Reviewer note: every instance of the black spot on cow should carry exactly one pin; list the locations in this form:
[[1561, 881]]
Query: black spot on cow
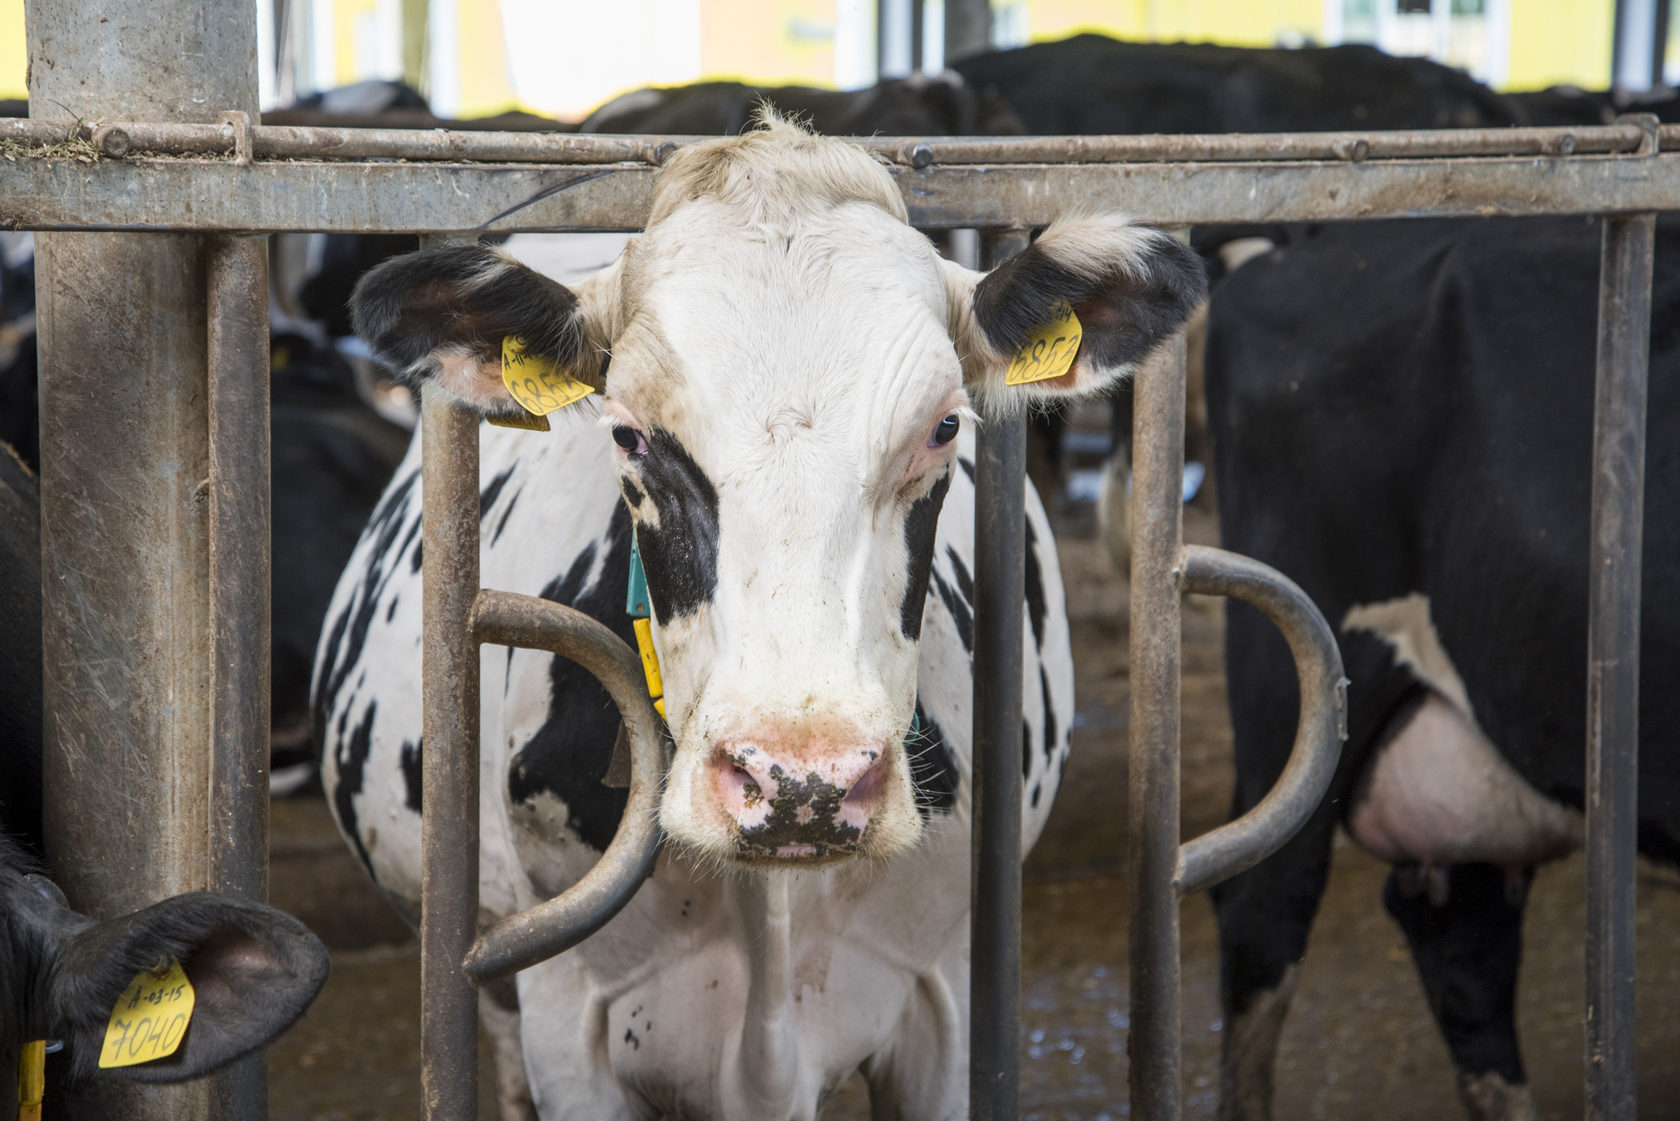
[[632, 493], [391, 611], [487, 497], [348, 632], [932, 771], [630, 1038], [1049, 713], [1034, 588], [568, 756], [409, 760], [507, 512], [418, 558], [1026, 749], [680, 555], [1037, 793], [965, 580], [351, 759], [961, 614], [968, 467], [921, 523]]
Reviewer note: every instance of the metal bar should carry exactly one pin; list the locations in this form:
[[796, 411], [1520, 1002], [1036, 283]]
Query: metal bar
[[1157, 543], [1322, 726], [999, 591], [558, 924], [240, 560], [223, 196], [1618, 487], [449, 791], [124, 138], [123, 338]]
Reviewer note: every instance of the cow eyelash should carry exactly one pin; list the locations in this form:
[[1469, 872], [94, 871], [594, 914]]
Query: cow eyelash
[[627, 438]]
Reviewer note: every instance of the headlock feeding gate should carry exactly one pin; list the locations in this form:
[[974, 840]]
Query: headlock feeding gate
[[176, 544]]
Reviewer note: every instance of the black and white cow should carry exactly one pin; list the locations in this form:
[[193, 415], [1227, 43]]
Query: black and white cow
[[1402, 420], [794, 372], [254, 969]]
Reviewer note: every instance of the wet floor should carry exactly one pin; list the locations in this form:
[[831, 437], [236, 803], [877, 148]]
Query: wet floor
[[1358, 1045]]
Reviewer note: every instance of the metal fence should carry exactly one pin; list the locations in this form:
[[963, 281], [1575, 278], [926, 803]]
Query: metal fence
[[236, 179]]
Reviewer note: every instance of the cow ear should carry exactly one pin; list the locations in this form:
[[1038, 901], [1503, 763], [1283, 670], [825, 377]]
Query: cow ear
[[439, 317], [253, 970], [1130, 287]]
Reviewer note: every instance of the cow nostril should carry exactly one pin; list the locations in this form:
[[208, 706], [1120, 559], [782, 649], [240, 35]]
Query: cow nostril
[[751, 793], [868, 788]]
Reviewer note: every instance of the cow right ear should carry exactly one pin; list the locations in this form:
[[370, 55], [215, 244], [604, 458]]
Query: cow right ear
[[439, 317], [253, 970]]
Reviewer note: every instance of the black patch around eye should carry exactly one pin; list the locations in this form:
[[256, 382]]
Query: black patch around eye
[[680, 554], [920, 525]]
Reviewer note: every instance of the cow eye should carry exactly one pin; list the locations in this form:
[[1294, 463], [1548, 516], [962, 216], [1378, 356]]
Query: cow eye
[[944, 432], [629, 439]]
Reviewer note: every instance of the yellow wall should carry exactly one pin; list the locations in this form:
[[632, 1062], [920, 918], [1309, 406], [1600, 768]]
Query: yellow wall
[[14, 50], [1556, 41], [1243, 23], [755, 40], [485, 86]]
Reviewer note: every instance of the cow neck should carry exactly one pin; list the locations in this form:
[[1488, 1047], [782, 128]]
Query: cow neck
[[767, 1064]]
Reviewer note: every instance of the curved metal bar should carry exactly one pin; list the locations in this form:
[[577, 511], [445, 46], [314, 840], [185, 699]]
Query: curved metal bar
[[520, 941], [1241, 844]]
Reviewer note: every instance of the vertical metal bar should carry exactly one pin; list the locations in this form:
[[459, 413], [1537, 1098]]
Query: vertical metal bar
[[240, 560], [999, 588], [125, 496], [1624, 333], [449, 774], [1157, 548]]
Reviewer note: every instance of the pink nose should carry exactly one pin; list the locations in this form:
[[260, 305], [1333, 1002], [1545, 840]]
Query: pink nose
[[801, 807]]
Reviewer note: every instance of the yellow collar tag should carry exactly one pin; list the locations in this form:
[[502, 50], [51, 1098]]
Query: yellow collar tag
[[535, 382], [32, 1080], [150, 1018], [1049, 350]]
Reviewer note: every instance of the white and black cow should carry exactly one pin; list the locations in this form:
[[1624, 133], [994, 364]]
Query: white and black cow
[[1402, 418], [793, 371]]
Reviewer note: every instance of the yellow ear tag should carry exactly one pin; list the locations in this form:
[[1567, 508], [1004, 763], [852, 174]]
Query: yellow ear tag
[[32, 1080], [150, 1018], [535, 382], [1049, 350]]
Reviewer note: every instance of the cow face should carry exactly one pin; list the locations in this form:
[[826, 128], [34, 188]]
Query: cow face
[[785, 366]]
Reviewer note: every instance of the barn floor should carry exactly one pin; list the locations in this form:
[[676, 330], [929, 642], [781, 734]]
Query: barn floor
[[1359, 1043]]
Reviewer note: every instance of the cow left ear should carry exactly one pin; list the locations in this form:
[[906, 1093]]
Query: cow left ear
[[1130, 287]]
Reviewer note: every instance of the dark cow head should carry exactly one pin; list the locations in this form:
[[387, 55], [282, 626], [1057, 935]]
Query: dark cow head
[[790, 365], [254, 970]]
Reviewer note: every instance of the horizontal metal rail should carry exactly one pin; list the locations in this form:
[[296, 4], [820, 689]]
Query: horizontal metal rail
[[463, 145]]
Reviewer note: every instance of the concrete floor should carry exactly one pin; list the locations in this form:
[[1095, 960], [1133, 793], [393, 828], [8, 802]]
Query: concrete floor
[[1358, 1045]]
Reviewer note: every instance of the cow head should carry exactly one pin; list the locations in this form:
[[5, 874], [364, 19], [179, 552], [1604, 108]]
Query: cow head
[[785, 364], [253, 970]]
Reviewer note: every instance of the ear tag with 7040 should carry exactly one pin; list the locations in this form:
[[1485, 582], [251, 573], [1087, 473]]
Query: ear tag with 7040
[[1049, 350], [150, 1018], [537, 384]]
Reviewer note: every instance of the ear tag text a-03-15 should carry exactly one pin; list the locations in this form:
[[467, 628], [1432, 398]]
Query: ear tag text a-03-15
[[537, 384], [1049, 349], [150, 1018]]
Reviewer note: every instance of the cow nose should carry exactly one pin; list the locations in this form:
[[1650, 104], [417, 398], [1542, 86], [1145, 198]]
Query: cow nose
[[796, 806]]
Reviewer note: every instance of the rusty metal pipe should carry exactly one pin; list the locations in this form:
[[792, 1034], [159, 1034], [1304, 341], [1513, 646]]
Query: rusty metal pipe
[[240, 618], [1322, 726], [1157, 539], [120, 139], [1612, 780], [999, 589], [449, 761], [558, 924]]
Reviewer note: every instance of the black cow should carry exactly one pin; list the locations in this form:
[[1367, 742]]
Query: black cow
[[1094, 85], [254, 969], [923, 105], [1402, 423]]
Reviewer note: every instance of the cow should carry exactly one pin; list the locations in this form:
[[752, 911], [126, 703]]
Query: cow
[[784, 435], [1402, 419], [254, 969], [920, 105]]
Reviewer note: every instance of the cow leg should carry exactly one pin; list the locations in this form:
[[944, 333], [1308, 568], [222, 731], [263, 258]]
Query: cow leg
[[1467, 947], [498, 1012], [1264, 918]]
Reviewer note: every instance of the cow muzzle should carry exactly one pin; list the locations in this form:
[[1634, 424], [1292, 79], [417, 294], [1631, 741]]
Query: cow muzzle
[[796, 807]]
